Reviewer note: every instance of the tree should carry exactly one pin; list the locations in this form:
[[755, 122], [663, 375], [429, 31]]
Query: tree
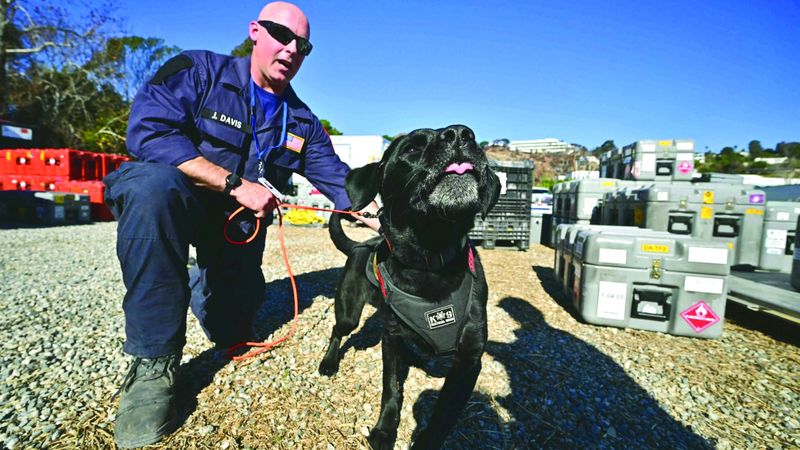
[[243, 49], [606, 146], [329, 128], [755, 149], [65, 74], [130, 61], [50, 33], [484, 144]]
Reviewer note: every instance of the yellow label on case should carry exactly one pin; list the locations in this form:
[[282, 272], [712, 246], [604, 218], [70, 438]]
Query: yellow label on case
[[754, 211], [638, 216], [706, 212], [59, 199], [608, 184], [665, 143], [730, 245], [655, 248], [708, 197]]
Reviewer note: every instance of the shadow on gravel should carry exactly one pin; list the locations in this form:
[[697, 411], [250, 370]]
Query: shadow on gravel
[[564, 394], [552, 286], [775, 327], [276, 310]]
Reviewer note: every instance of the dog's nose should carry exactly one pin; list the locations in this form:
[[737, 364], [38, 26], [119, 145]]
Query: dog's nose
[[456, 133]]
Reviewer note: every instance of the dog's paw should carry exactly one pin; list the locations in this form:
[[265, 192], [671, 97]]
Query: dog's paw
[[380, 440], [329, 366]]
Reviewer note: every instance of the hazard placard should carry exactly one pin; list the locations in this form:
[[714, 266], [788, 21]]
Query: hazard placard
[[700, 316]]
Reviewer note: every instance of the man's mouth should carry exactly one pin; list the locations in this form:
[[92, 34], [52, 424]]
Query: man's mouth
[[459, 169], [284, 63]]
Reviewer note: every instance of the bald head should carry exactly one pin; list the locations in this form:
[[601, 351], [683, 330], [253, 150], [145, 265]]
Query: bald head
[[283, 12], [274, 61]]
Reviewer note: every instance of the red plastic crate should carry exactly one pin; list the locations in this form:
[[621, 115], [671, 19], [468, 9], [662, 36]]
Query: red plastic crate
[[16, 183], [42, 182], [64, 163], [92, 166], [111, 162], [18, 162]]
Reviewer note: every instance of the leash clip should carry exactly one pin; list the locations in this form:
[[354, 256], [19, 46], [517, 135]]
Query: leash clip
[[275, 192]]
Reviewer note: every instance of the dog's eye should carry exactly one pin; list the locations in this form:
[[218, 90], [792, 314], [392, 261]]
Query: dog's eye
[[412, 149]]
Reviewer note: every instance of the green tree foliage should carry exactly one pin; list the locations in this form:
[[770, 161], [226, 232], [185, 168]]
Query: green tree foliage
[[606, 146], [67, 75], [547, 183], [329, 128], [243, 49], [755, 149]]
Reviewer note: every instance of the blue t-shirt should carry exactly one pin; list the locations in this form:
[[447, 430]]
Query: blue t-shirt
[[269, 102]]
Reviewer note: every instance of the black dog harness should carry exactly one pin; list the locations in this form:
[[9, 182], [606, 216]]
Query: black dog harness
[[437, 323]]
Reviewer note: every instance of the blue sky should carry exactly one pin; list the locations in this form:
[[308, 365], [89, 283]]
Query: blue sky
[[719, 72]]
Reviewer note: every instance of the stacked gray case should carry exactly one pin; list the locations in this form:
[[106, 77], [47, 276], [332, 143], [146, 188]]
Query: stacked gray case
[[651, 281], [733, 215], [667, 160], [777, 249], [565, 237]]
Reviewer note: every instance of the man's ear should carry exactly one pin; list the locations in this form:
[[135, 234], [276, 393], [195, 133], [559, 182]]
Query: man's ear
[[362, 184], [490, 193]]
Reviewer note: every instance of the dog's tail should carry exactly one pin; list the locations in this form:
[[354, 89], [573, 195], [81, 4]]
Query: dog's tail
[[339, 238]]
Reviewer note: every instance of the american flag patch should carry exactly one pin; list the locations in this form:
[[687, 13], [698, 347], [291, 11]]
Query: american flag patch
[[294, 142]]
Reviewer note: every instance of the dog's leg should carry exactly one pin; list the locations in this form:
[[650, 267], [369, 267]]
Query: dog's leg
[[351, 296], [395, 371], [458, 386]]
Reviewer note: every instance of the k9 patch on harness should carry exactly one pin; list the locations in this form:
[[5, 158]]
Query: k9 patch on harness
[[440, 317]]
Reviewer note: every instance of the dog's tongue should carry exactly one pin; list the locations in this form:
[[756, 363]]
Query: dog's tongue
[[458, 168]]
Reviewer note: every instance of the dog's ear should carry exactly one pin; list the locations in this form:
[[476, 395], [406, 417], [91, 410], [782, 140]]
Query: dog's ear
[[362, 184], [490, 194]]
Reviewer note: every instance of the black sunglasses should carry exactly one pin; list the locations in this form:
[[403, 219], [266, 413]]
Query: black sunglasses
[[284, 35]]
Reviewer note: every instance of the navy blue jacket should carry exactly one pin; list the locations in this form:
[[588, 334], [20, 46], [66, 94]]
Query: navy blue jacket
[[199, 105]]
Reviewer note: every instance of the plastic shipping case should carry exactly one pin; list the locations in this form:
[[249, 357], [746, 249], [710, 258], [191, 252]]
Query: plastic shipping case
[[585, 197], [777, 242], [510, 219], [667, 160], [730, 214], [652, 281], [565, 238], [49, 208]]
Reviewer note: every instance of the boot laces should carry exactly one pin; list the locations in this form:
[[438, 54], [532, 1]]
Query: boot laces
[[149, 367]]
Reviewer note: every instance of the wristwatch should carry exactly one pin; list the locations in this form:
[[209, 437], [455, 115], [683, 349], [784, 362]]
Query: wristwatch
[[232, 181]]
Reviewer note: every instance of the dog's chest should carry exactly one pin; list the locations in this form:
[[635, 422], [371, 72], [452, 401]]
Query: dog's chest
[[438, 324]]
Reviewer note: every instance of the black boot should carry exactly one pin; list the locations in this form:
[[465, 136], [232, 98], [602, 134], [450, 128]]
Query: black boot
[[147, 409]]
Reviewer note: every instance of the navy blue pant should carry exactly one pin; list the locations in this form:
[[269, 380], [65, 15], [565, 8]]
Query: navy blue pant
[[160, 213]]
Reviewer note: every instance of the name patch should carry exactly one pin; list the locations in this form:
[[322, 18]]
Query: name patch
[[225, 120], [440, 317]]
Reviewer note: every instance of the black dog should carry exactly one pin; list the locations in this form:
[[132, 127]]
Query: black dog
[[423, 274]]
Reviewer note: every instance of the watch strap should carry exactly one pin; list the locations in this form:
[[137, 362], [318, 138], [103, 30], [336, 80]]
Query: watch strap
[[232, 181]]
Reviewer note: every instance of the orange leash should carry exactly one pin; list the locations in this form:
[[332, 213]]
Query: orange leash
[[264, 346]]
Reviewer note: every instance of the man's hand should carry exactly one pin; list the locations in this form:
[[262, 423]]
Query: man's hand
[[372, 208], [255, 197], [205, 174]]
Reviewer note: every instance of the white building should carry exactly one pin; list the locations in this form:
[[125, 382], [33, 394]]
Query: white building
[[548, 145], [355, 151]]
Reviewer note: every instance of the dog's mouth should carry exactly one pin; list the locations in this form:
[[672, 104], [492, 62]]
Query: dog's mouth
[[454, 192]]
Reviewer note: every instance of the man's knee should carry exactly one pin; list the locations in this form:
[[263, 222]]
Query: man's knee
[[149, 185]]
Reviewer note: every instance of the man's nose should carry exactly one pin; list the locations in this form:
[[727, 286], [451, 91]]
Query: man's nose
[[456, 134]]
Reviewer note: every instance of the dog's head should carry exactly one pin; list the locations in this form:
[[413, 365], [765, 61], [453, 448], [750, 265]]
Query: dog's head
[[434, 173]]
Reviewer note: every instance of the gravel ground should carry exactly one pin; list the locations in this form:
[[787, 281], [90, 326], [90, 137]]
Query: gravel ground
[[548, 381]]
